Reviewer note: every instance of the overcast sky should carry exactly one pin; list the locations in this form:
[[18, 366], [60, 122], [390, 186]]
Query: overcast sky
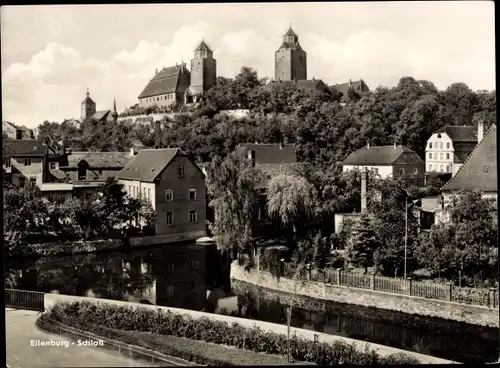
[[52, 54]]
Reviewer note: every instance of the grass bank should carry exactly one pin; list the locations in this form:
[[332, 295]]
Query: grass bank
[[157, 323]]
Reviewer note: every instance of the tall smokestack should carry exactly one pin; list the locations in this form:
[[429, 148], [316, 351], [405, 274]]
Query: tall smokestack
[[363, 191], [480, 131], [157, 134]]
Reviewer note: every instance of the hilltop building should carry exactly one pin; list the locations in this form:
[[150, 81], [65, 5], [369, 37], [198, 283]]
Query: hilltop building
[[13, 131], [359, 87], [88, 111], [290, 60], [176, 84]]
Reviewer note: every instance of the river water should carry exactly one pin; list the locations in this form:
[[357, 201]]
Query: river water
[[193, 277]]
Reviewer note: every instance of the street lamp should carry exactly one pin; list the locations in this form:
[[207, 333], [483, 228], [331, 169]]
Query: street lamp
[[406, 227]]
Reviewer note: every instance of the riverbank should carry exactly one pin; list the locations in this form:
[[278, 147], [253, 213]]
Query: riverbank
[[470, 314], [68, 248], [52, 299]]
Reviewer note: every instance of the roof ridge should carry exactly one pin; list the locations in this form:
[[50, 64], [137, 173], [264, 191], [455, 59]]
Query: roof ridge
[[468, 157]]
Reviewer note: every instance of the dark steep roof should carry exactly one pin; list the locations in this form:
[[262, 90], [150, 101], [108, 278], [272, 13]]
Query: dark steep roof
[[98, 160], [357, 86], [460, 133], [148, 164], [290, 33], [480, 170], [203, 47], [24, 147], [376, 155], [463, 150], [166, 81], [272, 153]]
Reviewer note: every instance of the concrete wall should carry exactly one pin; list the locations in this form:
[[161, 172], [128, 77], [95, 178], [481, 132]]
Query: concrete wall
[[475, 315], [52, 299]]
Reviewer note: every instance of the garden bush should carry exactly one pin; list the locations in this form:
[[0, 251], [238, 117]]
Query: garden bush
[[85, 314], [72, 247]]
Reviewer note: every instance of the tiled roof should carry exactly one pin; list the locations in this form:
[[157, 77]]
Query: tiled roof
[[203, 47], [460, 133], [301, 83], [101, 115], [24, 147], [148, 164], [480, 170], [344, 87], [275, 169], [58, 174], [272, 153], [166, 81], [376, 155], [98, 160]]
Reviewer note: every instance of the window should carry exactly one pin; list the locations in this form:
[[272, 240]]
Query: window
[[441, 145], [430, 156], [375, 171], [33, 181], [192, 194], [430, 167], [447, 145], [195, 264], [6, 162], [82, 172], [144, 192], [193, 217], [440, 156], [447, 168], [430, 145], [415, 171], [486, 169], [27, 161], [180, 171], [169, 195], [169, 218], [170, 291], [22, 182], [52, 165], [402, 171], [130, 190], [149, 194], [447, 156], [441, 168], [170, 268], [439, 136]]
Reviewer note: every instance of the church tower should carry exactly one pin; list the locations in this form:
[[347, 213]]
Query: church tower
[[203, 69], [88, 108], [290, 61]]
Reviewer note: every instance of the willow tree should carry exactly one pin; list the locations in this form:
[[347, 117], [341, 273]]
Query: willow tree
[[232, 185], [292, 199]]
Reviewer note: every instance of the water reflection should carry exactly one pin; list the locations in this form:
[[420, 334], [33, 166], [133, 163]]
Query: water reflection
[[173, 275], [445, 339]]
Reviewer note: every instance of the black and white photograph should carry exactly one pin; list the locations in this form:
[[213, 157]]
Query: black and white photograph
[[274, 183]]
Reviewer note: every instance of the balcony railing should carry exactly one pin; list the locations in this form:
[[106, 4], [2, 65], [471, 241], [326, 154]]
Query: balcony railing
[[24, 299]]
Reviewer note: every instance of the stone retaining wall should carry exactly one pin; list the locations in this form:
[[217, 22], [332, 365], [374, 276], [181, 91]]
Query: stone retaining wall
[[476, 315], [52, 299]]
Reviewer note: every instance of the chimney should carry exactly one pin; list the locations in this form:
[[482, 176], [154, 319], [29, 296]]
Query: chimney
[[363, 191], [480, 131], [368, 145], [395, 145], [156, 71], [350, 82], [157, 134], [132, 151], [251, 157]]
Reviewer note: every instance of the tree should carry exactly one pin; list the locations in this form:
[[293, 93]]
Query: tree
[[362, 243], [292, 199], [233, 184]]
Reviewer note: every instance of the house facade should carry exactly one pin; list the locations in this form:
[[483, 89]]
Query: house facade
[[23, 161], [479, 171], [448, 148], [175, 187], [388, 162], [89, 111], [12, 131]]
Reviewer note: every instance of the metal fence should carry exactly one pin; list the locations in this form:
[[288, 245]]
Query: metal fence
[[447, 292], [24, 299]]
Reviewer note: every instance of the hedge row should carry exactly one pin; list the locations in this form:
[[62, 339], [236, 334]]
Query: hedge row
[[72, 247], [167, 323], [196, 351]]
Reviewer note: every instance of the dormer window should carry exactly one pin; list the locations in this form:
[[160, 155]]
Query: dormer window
[[439, 135], [82, 171], [430, 145]]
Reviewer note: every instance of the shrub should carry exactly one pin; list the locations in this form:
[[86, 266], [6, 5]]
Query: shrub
[[86, 314]]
